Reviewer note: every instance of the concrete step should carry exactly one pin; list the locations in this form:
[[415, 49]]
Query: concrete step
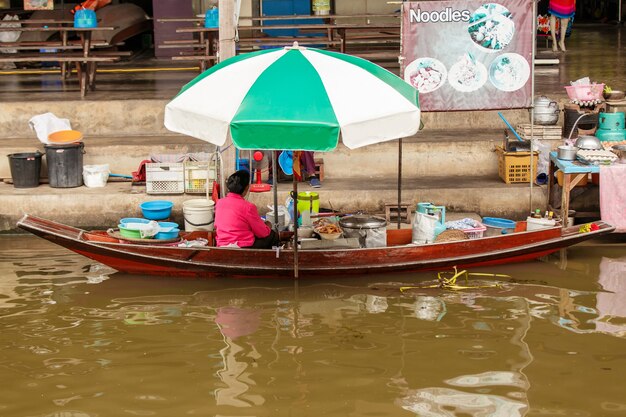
[[122, 153], [145, 117], [103, 207], [454, 152]]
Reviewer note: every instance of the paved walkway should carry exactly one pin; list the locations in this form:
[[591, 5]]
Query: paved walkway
[[594, 50]]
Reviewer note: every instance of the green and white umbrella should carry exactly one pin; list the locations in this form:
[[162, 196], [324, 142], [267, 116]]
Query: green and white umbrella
[[295, 98]]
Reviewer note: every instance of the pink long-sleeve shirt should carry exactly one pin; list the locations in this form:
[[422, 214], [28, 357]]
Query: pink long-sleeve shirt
[[237, 221]]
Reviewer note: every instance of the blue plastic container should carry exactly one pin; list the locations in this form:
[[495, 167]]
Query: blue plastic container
[[157, 209], [85, 18], [173, 234], [497, 226], [126, 220], [168, 224], [212, 18]]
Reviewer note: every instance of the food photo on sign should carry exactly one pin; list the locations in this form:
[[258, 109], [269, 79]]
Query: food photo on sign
[[468, 55]]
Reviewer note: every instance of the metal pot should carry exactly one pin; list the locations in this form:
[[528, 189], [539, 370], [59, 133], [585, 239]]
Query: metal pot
[[370, 230], [567, 153], [546, 111]]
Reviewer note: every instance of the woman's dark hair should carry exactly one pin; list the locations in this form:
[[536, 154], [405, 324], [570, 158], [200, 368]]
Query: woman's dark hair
[[238, 182]]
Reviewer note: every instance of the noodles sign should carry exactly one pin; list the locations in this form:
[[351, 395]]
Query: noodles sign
[[468, 55]]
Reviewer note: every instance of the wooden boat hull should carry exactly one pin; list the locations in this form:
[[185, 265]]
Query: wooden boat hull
[[233, 262]]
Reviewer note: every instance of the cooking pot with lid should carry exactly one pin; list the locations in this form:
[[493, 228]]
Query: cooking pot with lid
[[370, 230], [546, 111]]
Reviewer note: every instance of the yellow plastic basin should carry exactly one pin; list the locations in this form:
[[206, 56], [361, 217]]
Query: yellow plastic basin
[[65, 136]]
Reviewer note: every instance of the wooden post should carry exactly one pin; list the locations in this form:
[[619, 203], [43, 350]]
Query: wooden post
[[295, 221], [227, 29], [227, 50], [400, 184]]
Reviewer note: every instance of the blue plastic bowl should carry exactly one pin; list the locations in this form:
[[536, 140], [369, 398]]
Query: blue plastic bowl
[[157, 209], [497, 226], [167, 235], [168, 224], [134, 220]]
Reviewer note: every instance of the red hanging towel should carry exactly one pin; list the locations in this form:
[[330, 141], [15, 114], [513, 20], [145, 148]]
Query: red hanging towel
[[140, 174], [90, 4]]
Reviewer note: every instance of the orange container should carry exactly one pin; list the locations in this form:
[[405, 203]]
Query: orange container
[[65, 136], [559, 178]]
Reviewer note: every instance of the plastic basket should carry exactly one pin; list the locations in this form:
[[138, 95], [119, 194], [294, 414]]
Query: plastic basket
[[165, 178], [196, 176], [514, 167], [585, 92], [476, 232]]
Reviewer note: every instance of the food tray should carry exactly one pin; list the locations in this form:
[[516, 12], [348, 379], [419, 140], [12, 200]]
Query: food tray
[[546, 132], [596, 157]]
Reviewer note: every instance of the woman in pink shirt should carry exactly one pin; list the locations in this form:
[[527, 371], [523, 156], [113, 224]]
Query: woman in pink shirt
[[237, 221]]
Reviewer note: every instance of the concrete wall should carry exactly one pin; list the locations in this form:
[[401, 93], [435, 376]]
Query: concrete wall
[[145, 117], [93, 118]]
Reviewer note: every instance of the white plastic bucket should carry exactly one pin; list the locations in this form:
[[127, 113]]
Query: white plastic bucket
[[95, 175], [535, 224], [198, 214]]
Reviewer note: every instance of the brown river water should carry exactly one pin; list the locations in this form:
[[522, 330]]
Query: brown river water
[[77, 340]]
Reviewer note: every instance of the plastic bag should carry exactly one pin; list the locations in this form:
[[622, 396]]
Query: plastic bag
[[424, 228], [47, 123], [543, 163], [146, 230], [9, 36], [283, 216], [289, 215]]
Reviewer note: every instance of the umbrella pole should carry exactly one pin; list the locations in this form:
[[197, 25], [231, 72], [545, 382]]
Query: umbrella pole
[[275, 189], [295, 221], [400, 182]]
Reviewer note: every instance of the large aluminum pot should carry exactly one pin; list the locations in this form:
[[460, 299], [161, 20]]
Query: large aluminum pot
[[567, 153], [546, 111], [370, 230]]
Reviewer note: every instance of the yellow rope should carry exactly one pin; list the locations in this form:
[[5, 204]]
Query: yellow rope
[[449, 283]]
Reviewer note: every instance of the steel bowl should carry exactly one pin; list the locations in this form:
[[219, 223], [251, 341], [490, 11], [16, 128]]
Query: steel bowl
[[588, 142], [614, 95], [567, 153], [620, 151]]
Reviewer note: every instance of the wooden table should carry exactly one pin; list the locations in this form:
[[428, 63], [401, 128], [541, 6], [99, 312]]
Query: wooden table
[[573, 173], [336, 34], [207, 39], [86, 61]]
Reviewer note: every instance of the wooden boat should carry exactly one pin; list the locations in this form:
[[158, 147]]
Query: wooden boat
[[398, 256]]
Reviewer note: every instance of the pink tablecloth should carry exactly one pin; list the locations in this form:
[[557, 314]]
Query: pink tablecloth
[[613, 195]]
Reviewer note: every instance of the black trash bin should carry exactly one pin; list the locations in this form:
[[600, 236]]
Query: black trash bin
[[65, 165], [25, 169]]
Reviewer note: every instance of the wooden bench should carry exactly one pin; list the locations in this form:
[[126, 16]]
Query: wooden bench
[[85, 66], [85, 62]]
